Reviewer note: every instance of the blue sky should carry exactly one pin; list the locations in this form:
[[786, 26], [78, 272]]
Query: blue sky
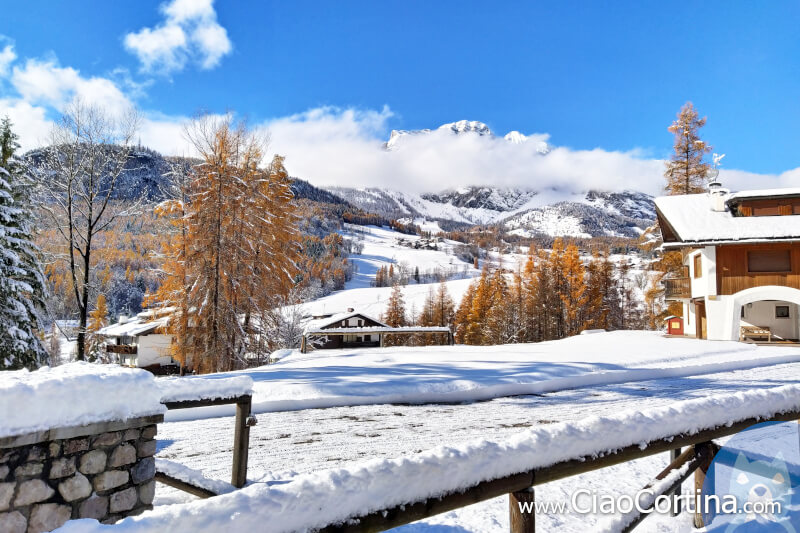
[[592, 75]]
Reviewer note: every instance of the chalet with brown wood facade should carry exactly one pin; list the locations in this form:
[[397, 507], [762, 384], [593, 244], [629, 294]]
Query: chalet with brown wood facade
[[741, 255]]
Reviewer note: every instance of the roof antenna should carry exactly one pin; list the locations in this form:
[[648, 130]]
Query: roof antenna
[[713, 172]]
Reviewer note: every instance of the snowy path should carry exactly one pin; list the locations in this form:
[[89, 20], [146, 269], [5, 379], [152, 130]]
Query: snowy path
[[309, 440]]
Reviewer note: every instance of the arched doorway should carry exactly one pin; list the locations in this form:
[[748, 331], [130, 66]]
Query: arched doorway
[[770, 308]]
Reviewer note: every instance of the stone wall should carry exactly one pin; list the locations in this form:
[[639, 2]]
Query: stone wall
[[101, 471]]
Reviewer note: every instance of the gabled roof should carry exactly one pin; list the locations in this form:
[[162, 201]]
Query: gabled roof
[[145, 322], [313, 325], [689, 220]]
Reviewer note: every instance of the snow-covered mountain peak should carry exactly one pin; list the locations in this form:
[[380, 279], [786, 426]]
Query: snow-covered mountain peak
[[515, 137], [467, 126]]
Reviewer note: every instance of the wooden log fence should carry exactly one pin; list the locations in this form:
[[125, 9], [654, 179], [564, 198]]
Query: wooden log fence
[[241, 442], [698, 455]]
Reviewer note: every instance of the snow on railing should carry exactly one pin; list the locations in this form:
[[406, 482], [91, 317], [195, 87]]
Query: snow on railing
[[337, 496], [190, 388], [192, 477]]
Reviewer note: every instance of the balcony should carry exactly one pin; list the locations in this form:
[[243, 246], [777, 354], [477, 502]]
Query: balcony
[[122, 349], [677, 288]]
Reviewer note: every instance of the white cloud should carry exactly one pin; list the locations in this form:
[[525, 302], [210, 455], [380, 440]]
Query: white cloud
[[30, 122], [44, 82], [189, 32], [330, 146], [7, 56]]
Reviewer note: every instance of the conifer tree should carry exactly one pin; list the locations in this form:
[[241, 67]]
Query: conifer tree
[[21, 280], [443, 307], [242, 244], [476, 333], [686, 171], [573, 294], [395, 315], [461, 317], [98, 319]]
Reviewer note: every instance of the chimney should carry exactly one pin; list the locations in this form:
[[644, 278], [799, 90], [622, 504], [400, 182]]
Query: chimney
[[123, 319], [350, 310], [718, 196]]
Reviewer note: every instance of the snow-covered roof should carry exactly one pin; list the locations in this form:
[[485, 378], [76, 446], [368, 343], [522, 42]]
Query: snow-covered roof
[[145, 322], [693, 221], [321, 323], [380, 329], [764, 193]]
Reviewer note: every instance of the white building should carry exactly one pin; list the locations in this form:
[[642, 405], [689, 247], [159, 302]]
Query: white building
[[141, 341], [741, 256]]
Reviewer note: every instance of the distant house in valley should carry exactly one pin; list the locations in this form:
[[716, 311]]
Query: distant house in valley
[[141, 341], [356, 330], [741, 255]]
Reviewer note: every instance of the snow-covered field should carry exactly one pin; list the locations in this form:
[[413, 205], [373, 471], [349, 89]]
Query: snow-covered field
[[328, 378], [383, 247]]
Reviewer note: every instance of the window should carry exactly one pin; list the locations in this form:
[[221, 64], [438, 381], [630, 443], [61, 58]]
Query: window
[[769, 261], [360, 323], [367, 338], [781, 311], [698, 266]]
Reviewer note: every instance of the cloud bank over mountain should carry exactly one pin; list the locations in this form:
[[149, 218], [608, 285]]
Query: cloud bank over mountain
[[331, 146]]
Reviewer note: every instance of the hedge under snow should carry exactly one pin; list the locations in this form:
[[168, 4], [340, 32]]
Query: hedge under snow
[[333, 496]]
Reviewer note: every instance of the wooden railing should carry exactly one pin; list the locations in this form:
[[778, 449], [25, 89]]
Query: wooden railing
[[241, 442], [677, 288], [520, 487]]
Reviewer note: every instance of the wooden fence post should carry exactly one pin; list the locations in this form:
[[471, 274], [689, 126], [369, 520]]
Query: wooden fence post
[[241, 442], [705, 451], [673, 455], [521, 522]]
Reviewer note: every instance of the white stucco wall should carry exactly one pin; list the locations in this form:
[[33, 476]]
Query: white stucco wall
[[707, 282], [153, 350], [763, 314]]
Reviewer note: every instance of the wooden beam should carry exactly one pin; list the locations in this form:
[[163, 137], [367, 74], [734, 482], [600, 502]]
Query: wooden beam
[[241, 442], [674, 455], [200, 492], [189, 404], [689, 456], [520, 522], [707, 458]]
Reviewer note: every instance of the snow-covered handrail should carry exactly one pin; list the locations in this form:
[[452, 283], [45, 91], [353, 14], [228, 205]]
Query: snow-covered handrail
[[384, 493], [195, 388]]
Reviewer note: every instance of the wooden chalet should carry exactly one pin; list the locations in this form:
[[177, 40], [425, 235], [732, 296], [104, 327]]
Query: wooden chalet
[[356, 330], [741, 255]]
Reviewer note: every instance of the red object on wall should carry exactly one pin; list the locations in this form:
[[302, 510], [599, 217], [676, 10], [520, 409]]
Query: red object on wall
[[674, 325]]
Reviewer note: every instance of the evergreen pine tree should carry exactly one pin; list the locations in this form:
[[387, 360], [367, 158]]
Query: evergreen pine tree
[[21, 280]]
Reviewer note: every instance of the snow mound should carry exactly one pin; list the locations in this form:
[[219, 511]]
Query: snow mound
[[74, 394]]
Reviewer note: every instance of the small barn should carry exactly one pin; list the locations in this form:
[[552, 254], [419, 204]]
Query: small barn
[[141, 341], [356, 330]]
